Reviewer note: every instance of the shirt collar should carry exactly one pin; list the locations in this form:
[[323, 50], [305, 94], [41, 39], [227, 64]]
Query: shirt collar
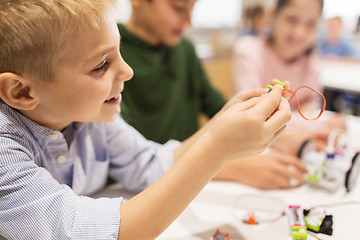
[[41, 134], [128, 36]]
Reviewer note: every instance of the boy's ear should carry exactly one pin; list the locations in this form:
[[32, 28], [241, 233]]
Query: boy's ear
[[15, 92]]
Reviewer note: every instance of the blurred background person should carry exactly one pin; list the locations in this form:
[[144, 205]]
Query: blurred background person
[[336, 44], [287, 54], [170, 89], [256, 21]]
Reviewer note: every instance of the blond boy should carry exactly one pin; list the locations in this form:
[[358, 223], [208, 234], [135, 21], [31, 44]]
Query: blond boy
[[61, 78]]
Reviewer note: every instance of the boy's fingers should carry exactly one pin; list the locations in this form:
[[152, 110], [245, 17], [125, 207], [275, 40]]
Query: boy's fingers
[[279, 132], [290, 160], [247, 94], [269, 103], [245, 105], [280, 117]]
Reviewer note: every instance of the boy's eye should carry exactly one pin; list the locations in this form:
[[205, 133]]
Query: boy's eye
[[104, 66], [179, 8], [292, 19]]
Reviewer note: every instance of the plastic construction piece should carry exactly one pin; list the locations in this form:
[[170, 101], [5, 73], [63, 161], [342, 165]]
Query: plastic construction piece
[[250, 218], [314, 218], [333, 168], [270, 87], [297, 223], [280, 83], [318, 221], [220, 236]]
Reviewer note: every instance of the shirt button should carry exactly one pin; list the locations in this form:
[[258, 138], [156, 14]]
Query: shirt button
[[61, 158], [53, 136]]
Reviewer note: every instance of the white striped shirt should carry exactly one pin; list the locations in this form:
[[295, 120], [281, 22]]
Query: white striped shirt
[[45, 175]]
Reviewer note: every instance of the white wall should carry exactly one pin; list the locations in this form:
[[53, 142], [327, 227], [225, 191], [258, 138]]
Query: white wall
[[348, 10], [206, 13], [216, 13], [123, 10]]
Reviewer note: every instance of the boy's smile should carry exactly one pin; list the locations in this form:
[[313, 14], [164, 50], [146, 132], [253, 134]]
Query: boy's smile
[[88, 81]]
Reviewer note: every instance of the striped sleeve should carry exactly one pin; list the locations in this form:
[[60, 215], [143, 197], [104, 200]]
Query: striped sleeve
[[33, 205]]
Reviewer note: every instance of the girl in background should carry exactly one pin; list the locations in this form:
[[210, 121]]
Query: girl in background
[[287, 54]]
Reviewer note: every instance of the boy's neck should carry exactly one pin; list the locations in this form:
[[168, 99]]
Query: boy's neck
[[136, 28]]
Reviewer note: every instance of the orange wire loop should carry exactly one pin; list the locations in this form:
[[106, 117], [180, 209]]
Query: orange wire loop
[[298, 104]]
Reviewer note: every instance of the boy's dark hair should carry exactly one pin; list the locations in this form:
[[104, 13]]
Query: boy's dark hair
[[283, 3], [254, 11]]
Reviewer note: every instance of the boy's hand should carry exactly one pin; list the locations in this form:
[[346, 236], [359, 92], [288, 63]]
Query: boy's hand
[[243, 96], [250, 93], [249, 127], [270, 170]]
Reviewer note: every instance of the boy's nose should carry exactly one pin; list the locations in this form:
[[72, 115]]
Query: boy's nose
[[187, 19], [125, 72]]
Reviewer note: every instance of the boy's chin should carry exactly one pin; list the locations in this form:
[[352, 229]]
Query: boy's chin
[[107, 119], [173, 42]]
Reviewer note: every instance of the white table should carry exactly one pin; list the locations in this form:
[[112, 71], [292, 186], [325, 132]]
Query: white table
[[340, 75], [213, 208]]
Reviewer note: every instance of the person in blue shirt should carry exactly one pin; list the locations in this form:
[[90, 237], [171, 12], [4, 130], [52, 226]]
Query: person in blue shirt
[[335, 45], [61, 78]]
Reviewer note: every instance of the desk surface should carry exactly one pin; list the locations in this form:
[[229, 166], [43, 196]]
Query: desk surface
[[344, 76], [213, 208]]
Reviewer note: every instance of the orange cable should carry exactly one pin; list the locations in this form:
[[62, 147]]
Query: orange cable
[[297, 100]]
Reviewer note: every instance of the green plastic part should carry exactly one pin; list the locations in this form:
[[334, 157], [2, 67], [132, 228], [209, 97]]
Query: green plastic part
[[280, 83]]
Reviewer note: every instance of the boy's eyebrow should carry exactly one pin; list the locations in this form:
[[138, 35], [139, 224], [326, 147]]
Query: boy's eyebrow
[[99, 54], [103, 52]]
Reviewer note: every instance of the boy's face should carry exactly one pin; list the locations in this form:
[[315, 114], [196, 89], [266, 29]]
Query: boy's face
[[164, 21], [88, 79]]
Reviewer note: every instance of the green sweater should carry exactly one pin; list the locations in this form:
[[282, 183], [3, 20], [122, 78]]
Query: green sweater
[[168, 91]]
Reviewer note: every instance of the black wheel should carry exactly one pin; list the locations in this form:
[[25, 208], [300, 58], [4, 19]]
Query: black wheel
[[352, 173], [306, 147]]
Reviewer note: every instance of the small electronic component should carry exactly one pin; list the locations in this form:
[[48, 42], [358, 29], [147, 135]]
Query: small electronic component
[[335, 167], [314, 219], [270, 87], [250, 218], [318, 221], [280, 83], [297, 223], [220, 236]]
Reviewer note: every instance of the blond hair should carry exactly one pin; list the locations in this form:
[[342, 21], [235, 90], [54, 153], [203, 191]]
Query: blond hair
[[34, 33]]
